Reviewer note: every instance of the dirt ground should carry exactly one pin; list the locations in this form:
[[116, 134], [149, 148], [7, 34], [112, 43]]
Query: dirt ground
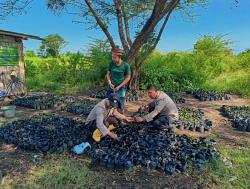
[[15, 163]]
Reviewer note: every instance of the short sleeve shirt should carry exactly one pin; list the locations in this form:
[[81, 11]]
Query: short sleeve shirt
[[118, 73]]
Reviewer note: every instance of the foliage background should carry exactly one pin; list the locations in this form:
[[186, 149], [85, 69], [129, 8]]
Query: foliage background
[[211, 64]]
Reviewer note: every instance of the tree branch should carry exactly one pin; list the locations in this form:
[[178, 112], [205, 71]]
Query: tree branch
[[11, 7], [100, 23], [148, 28], [142, 60], [125, 18], [120, 24]]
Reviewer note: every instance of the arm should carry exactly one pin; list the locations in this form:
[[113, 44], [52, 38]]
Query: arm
[[158, 108], [126, 80], [100, 125], [121, 117], [109, 80], [118, 115]]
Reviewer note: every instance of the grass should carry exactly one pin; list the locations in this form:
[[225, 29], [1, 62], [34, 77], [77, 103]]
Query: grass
[[236, 176], [236, 82], [67, 171], [60, 171]]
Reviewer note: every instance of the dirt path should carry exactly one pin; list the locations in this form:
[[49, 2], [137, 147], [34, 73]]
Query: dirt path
[[221, 125], [16, 163]]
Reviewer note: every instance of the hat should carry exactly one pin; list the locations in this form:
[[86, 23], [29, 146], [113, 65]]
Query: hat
[[118, 51], [114, 100]]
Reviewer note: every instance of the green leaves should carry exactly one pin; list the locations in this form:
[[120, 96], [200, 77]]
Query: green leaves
[[52, 46]]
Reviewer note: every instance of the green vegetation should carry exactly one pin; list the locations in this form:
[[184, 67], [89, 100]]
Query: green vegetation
[[51, 46], [60, 171], [69, 73], [211, 65], [233, 171]]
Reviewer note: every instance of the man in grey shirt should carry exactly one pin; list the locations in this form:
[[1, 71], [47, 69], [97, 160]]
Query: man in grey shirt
[[98, 117], [163, 111]]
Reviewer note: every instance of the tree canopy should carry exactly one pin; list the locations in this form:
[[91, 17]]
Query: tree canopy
[[52, 45]]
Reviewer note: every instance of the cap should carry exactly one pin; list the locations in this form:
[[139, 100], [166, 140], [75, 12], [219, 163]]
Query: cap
[[114, 100], [118, 51]]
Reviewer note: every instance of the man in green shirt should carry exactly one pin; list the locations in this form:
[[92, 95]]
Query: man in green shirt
[[118, 75]]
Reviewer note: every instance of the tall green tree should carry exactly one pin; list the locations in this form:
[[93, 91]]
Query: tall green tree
[[149, 16], [52, 46]]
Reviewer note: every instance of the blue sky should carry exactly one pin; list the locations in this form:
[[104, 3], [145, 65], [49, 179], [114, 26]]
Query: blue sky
[[220, 17]]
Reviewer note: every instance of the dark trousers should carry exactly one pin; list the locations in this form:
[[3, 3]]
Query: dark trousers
[[160, 122]]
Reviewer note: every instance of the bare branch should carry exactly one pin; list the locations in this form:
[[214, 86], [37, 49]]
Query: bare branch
[[12, 7], [126, 23], [147, 29], [142, 60], [120, 24], [100, 23]]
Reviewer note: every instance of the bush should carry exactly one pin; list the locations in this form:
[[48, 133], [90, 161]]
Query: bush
[[210, 65], [172, 72], [69, 73]]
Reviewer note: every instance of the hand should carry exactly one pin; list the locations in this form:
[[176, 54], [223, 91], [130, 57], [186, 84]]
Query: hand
[[111, 86], [139, 119], [129, 119], [113, 135], [143, 108], [117, 88]]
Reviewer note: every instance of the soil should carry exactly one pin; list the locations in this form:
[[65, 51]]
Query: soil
[[14, 163]]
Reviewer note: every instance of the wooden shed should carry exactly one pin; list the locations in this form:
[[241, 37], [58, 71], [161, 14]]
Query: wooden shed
[[11, 52]]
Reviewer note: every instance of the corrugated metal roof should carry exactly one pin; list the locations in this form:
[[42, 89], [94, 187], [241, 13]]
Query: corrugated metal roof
[[19, 35]]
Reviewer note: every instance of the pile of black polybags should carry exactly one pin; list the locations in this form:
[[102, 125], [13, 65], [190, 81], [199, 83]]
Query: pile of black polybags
[[44, 133], [193, 120], [42, 102], [81, 107], [138, 144], [206, 95], [176, 98]]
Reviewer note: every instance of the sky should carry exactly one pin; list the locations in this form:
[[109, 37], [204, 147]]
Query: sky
[[219, 17]]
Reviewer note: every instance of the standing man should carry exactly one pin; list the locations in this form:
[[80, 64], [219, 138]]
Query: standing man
[[118, 75], [163, 111]]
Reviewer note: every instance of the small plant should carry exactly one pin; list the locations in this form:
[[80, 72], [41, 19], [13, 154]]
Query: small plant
[[193, 120]]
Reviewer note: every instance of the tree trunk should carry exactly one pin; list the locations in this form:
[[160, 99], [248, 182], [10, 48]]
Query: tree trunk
[[135, 80]]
